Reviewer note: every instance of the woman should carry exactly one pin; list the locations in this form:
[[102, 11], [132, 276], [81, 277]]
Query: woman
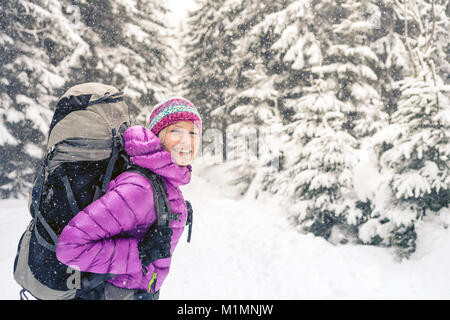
[[116, 234]]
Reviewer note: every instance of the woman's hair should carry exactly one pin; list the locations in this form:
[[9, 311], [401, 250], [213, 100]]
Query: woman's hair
[[162, 134]]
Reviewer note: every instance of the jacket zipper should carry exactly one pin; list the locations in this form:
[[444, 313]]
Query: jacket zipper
[[151, 282]]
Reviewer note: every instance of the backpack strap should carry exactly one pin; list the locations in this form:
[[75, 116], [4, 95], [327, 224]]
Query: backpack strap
[[91, 283], [108, 98], [190, 219], [22, 294], [70, 197], [117, 151], [49, 230], [165, 214], [112, 160], [36, 195], [162, 206]]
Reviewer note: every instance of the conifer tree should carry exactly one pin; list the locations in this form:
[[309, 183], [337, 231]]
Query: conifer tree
[[416, 161], [252, 100], [350, 60], [37, 42], [128, 48], [208, 47], [48, 46], [320, 163], [322, 66]]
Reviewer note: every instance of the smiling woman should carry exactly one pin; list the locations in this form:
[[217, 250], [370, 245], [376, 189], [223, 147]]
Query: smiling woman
[[128, 240]]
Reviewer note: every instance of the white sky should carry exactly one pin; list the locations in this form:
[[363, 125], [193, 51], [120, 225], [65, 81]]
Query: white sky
[[180, 7]]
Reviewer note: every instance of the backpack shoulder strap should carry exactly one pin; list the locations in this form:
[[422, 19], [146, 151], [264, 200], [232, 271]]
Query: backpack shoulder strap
[[162, 206], [117, 150], [112, 160], [161, 201]]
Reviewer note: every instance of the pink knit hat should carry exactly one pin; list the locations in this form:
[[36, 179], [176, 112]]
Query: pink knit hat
[[172, 111]]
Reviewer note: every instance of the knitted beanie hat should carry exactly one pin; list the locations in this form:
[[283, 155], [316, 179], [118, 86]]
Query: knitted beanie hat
[[171, 111]]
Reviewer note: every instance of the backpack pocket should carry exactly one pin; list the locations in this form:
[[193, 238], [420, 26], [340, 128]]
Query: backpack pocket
[[26, 278]]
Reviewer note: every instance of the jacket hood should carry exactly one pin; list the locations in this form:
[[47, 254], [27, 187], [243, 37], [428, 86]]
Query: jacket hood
[[146, 150]]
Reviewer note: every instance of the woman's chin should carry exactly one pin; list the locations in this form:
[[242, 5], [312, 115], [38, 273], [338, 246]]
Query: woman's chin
[[181, 159], [183, 162]]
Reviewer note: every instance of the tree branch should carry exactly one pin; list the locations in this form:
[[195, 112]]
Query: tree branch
[[408, 46], [433, 16]]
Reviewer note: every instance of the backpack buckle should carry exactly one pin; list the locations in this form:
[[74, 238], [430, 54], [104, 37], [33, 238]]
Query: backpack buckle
[[32, 224], [189, 213], [116, 138]]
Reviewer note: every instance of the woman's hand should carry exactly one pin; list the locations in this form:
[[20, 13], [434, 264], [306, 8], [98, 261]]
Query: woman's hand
[[155, 244]]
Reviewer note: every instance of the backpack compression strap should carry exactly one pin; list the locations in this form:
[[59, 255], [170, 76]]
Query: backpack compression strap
[[36, 200], [189, 220], [36, 213]]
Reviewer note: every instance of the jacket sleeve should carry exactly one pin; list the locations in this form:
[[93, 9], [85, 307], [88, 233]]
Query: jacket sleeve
[[95, 239]]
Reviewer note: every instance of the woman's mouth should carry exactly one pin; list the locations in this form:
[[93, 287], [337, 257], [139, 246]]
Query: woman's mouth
[[182, 151]]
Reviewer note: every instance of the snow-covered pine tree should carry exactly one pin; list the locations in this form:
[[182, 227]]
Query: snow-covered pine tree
[[351, 62], [322, 154], [351, 65], [440, 13], [391, 52], [328, 98], [48, 46], [208, 47], [252, 100], [129, 49], [416, 165], [282, 48], [419, 159], [391, 49], [36, 48], [251, 138]]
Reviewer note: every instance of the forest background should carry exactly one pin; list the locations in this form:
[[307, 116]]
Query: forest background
[[338, 108]]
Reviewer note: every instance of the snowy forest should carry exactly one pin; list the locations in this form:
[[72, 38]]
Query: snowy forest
[[353, 96]]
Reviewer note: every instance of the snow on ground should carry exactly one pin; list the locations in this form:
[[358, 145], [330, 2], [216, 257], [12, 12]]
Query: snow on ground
[[245, 249], [14, 218]]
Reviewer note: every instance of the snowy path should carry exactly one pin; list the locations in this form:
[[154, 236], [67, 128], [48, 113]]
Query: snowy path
[[242, 249]]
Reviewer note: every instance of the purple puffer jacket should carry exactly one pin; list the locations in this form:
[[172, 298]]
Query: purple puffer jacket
[[103, 237]]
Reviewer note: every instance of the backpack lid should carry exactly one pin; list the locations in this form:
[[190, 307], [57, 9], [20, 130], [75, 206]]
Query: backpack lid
[[83, 122]]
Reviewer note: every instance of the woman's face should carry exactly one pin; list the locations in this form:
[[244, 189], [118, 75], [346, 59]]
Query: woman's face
[[182, 140]]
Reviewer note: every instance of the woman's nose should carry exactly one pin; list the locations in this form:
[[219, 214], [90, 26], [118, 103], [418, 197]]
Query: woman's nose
[[184, 138]]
